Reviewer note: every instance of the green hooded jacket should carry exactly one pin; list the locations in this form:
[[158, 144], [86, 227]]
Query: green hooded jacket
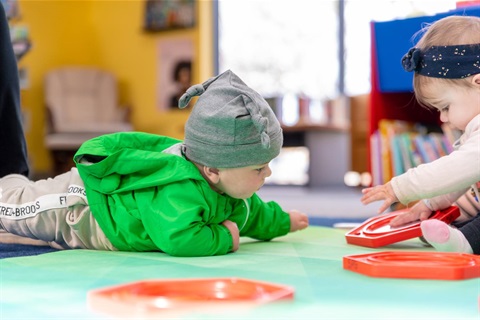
[[145, 199]]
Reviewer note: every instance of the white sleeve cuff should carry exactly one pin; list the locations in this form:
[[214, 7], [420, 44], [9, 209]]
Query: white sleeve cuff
[[428, 204]]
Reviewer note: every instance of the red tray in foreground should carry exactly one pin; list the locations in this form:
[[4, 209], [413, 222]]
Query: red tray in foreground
[[415, 265], [376, 232], [152, 298]]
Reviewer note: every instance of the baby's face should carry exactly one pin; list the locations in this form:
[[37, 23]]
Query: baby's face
[[457, 105], [242, 183]]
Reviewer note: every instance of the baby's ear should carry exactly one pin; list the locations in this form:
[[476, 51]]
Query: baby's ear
[[211, 174], [476, 79]]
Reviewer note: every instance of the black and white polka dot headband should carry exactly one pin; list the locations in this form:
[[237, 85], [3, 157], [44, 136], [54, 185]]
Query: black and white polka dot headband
[[448, 62]]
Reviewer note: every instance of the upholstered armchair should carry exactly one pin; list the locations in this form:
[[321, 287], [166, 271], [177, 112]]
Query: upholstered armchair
[[81, 103]]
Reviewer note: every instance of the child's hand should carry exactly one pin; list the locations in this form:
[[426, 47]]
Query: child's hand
[[383, 192], [419, 211], [233, 228], [298, 220]]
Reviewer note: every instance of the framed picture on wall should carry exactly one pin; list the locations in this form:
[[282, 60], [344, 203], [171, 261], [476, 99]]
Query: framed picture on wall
[[11, 8], [175, 59], [163, 15]]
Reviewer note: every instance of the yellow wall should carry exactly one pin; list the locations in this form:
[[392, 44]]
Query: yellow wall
[[107, 34]]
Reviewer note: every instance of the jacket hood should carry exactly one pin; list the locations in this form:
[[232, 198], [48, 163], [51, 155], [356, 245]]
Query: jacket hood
[[130, 161]]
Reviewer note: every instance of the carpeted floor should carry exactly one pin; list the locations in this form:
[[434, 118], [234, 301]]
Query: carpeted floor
[[9, 250]]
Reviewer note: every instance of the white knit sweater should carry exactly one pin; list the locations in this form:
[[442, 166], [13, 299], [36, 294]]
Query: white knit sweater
[[446, 179]]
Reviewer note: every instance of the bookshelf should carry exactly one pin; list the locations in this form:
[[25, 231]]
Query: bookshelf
[[391, 96]]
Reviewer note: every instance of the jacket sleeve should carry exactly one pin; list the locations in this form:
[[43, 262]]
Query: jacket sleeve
[[444, 201], [179, 222], [262, 220]]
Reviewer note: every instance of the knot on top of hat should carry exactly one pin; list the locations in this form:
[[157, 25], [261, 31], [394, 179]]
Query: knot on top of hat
[[260, 122], [265, 138], [191, 92]]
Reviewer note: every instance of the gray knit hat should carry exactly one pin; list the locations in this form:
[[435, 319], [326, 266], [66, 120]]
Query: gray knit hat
[[231, 125]]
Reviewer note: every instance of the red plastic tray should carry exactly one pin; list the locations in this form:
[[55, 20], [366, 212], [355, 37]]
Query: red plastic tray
[[376, 232], [154, 298], [415, 265]]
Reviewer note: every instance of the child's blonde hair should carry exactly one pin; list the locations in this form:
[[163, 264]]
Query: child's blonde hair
[[448, 31]]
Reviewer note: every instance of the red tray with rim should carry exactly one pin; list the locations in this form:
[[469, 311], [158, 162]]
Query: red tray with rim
[[171, 297], [415, 265], [376, 232]]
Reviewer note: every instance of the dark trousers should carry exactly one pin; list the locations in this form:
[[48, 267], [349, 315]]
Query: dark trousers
[[13, 150], [471, 231]]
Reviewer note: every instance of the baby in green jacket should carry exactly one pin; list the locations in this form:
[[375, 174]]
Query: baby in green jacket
[[135, 191]]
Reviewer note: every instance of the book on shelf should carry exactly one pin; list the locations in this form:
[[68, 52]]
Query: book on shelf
[[389, 129], [451, 135], [398, 165], [400, 145], [410, 153], [375, 156], [424, 148]]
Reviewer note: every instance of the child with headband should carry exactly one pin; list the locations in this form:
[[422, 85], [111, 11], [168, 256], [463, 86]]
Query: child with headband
[[446, 66], [135, 191]]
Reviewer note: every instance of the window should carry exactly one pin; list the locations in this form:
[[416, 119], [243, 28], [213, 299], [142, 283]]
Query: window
[[281, 46], [291, 47]]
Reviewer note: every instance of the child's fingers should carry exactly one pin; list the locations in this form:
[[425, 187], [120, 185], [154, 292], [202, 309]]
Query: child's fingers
[[371, 197], [401, 220], [366, 190], [424, 215], [385, 205], [408, 217], [366, 199]]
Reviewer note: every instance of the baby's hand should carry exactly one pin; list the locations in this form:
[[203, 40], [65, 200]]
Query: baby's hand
[[233, 228], [298, 220], [383, 192], [419, 211]]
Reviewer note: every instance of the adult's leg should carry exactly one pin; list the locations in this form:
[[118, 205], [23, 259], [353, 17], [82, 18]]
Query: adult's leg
[[13, 150], [471, 231]]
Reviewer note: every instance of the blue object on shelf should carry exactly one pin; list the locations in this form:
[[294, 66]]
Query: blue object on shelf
[[394, 38]]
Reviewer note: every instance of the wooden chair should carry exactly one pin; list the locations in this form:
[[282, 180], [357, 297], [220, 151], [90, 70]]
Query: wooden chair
[[81, 103]]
